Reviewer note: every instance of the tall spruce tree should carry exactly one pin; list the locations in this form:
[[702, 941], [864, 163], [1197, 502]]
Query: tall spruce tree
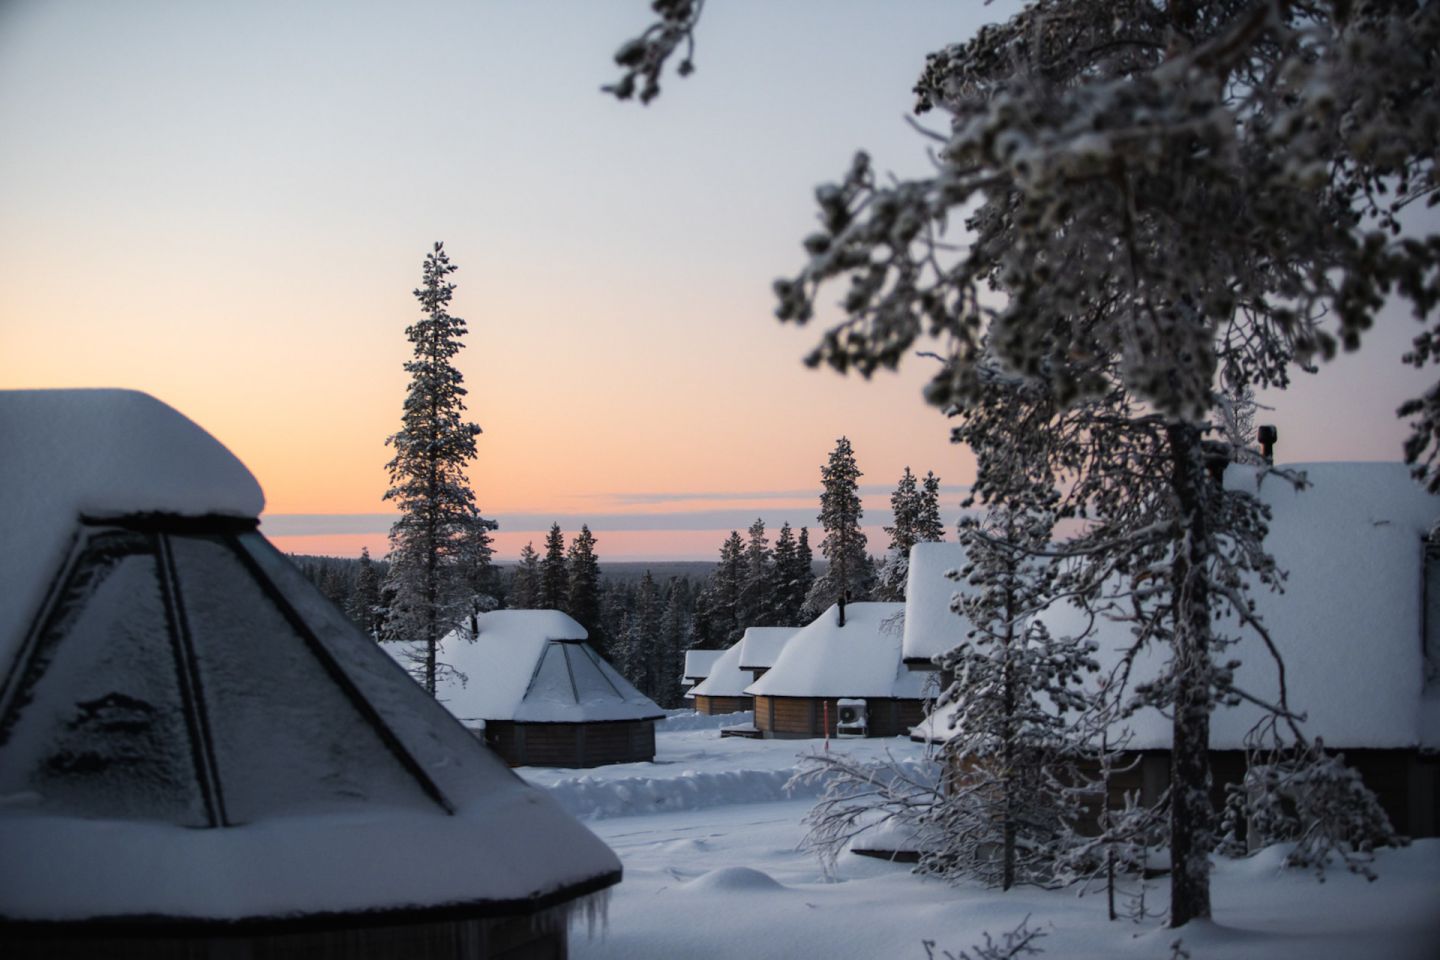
[[364, 606], [525, 582], [438, 517], [728, 583], [849, 572], [905, 506], [929, 528], [671, 663], [757, 591], [790, 582], [554, 578], [582, 594], [645, 632]]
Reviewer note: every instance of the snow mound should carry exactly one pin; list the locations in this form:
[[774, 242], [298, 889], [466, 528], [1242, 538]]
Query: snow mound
[[595, 798], [678, 720], [600, 797], [734, 880]]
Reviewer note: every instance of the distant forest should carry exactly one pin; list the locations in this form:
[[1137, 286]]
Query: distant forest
[[649, 613]]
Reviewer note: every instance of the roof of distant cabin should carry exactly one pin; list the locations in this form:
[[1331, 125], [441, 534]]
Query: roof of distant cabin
[[760, 646], [1348, 625], [98, 453], [860, 659], [726, 678], [699, 663], [531, 666], [931, 627]]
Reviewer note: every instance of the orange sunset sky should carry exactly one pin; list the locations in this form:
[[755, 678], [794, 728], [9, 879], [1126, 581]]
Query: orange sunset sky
[[226, 205]]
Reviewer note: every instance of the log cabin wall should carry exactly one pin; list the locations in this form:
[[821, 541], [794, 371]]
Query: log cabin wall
[[539, 937], [806, 716], [712, 706], [1406, 782], [572, 744]]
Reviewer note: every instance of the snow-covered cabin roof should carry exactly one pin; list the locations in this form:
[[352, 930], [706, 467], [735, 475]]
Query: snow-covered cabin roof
[[98, 453], [699, 663], [190, 730], [531, 666], [860, 659], [726, 679], [760, 646], [930, 627], [1349, 624]]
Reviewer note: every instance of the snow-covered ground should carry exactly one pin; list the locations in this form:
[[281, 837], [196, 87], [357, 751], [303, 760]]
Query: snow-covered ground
[[709, 843]]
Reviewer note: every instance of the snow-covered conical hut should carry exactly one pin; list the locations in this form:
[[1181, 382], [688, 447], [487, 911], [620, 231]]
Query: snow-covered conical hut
[[1357, 625], [545, 698], [824, 663], [199, 755], [723, 691]]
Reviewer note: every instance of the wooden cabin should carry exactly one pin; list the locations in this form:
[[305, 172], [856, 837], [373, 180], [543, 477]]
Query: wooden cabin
[[698, 664], [760, 647], [723, 691], [1358, 627], [931, 627], [824, 663], [215, 761], [539, 695]]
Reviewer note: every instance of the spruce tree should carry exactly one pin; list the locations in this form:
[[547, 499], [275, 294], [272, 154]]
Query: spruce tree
[[645, 629], [929, 528], [582, 593], [525, 583], [849, 571], [554, 578], [804, 577], [905, 506], [479, 579], [787, 600], [671, 663], [757, 592], [364, 605], [726, 585], [434, 446], [1013, 751]]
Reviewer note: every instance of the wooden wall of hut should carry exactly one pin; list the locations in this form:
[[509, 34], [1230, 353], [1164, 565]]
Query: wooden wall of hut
[[712, 706], [1406, 782], [374, 937], [572, 744], [806, 716]]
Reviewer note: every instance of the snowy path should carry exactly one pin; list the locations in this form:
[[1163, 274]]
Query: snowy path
[[724, 879]]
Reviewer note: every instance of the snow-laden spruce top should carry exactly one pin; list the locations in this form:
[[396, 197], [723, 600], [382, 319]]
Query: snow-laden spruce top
[[760, 646], [726, 679], [860, 659], [699, 663], [1349, 624], [930, 628], [531, 666], [101, 453]]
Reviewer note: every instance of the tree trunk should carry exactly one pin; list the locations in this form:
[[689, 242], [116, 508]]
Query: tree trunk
[[1191, 833]]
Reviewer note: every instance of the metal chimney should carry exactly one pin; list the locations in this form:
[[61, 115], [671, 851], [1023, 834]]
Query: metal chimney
[[1267, 434]]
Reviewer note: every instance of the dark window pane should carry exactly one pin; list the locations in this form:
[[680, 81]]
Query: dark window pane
[[287, 738], [98, 727]]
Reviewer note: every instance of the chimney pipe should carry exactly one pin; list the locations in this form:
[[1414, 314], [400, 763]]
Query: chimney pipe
[[1267, 435]]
